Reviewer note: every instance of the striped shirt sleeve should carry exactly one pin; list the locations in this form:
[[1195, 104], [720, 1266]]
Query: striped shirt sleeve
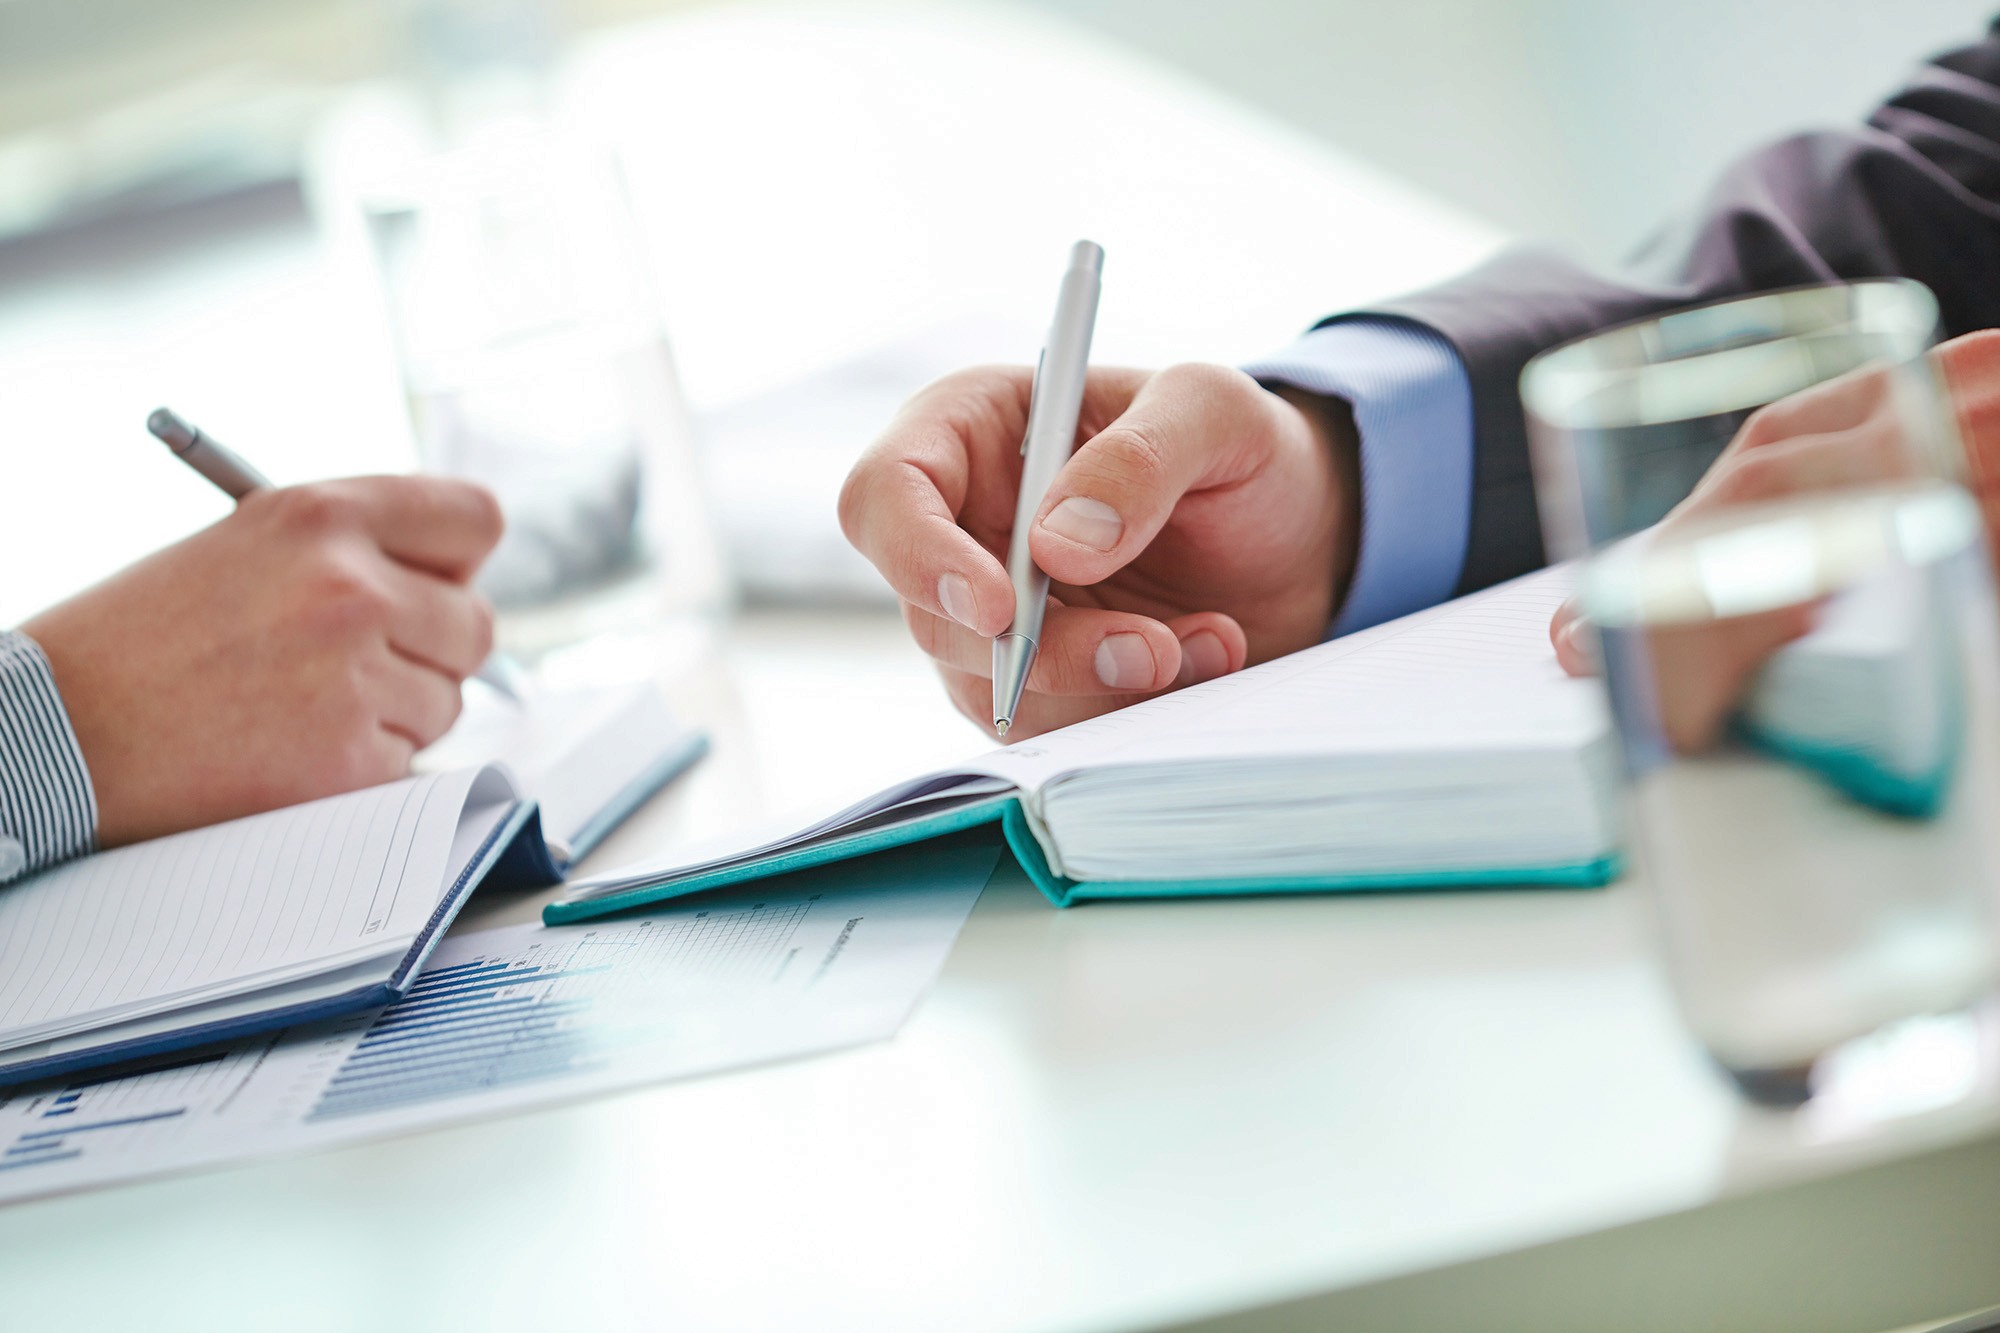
[[1412, 402], [48, 811]]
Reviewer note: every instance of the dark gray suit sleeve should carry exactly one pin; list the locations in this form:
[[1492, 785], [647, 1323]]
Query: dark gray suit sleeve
[[1915, 192]]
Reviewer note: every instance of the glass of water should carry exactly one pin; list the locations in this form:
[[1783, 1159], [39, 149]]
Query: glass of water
[[1796, 621], [536, 363]]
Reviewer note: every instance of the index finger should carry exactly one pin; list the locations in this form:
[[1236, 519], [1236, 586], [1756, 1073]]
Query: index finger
[[442, 525], [897, 509], [948, 463], [1832, 405], [901, 505]]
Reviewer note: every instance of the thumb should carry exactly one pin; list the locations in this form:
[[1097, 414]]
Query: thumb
[[1188, 427]]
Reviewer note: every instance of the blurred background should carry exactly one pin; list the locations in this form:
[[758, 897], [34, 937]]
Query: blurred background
[[657, 269]]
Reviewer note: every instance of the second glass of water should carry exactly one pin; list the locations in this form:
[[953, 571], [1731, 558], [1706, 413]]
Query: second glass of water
[[1796, 622]]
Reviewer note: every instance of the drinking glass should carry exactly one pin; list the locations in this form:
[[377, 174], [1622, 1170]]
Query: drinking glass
[[1798, 641], [535, 362]]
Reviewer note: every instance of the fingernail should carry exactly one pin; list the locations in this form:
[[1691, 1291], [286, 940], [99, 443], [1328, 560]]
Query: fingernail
[[1202, 658], [1124, 662], [1086, 522], [1582, 648], [955, 596]]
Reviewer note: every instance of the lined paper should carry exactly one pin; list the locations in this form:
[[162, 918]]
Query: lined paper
[[225, 909]]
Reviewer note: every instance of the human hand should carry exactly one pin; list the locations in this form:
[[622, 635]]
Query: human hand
[[1205, 523], [1849, 431], [306, 645]]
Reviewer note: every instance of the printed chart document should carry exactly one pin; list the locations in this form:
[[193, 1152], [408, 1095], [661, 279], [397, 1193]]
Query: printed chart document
[[524, 1016]]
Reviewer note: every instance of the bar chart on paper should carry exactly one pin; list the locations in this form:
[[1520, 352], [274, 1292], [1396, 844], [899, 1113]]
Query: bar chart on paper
[[523, 1016], [559, 1006], [122, 1115]]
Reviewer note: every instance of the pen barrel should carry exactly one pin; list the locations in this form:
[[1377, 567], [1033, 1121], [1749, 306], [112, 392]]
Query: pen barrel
[[1055, 407], [234, 477]]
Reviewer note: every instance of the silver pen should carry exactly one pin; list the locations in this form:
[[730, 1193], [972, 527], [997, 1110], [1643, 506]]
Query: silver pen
[[236, 479], [1054, 406]]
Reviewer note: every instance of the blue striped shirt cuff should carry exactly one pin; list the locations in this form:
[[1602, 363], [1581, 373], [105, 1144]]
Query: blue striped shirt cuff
[[48, 811], [1412, 402]]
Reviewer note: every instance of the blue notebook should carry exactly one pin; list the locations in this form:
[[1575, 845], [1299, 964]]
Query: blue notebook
[[1444, 749], [302, 914]]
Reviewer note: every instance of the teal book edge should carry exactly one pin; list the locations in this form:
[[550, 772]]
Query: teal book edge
[[1860, 776], [1006, 811]]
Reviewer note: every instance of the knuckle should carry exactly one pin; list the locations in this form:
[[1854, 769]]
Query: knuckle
[[1136, 454], [366, 761], [341, 594], [1761, 427], [351, 698], [449, 705], [854, 498], [355, 755], [1753, 477], [316, 510], [1981, 357], [482, 628], [876, 499], [1968, 363], [483, 513], [981, 379], [1207, 379]]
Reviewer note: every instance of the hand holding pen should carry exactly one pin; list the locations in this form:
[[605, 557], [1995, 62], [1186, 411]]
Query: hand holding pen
[[236, 478], [1203, 522], [1055, 404], [307, 644]]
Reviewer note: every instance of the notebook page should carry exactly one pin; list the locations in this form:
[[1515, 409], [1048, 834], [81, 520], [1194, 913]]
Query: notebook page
[[478, 823], [1477, 673], [574, 751], [135, 929]]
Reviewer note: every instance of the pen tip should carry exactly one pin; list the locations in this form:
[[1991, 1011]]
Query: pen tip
[[170, 429], [1000, 725]]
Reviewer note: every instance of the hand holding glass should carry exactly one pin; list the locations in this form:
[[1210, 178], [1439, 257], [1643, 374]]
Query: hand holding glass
[[1794, 607]]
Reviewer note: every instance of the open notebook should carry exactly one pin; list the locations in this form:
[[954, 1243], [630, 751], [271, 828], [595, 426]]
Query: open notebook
[[1443, 748], [313, 911]]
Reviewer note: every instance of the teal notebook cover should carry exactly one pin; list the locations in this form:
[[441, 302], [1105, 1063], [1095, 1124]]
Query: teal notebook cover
[[1861, 776], [1006, 811]]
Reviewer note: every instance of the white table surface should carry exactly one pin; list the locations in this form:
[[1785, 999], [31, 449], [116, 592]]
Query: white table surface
[[1103, 1118]]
